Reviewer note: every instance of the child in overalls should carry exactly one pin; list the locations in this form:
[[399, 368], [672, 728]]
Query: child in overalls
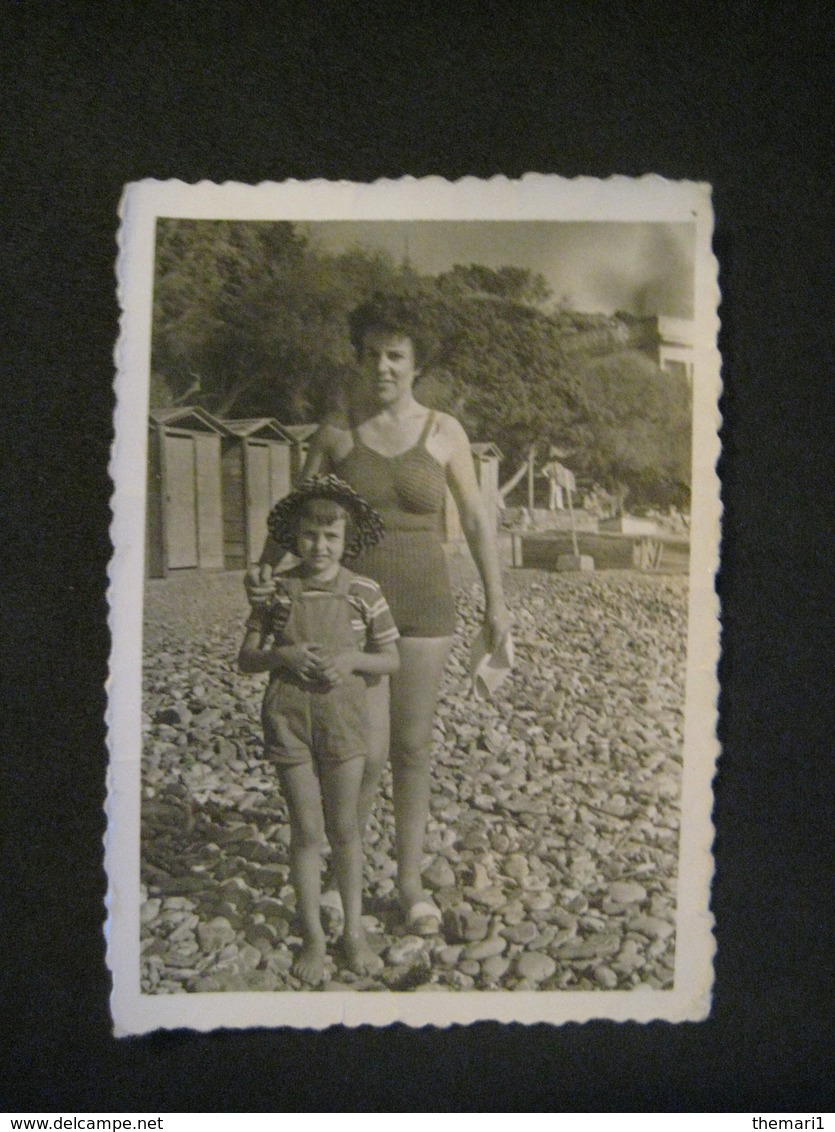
[[325, 631]]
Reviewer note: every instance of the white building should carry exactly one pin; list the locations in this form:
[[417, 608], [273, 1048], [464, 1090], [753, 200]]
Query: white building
[[675, 346]]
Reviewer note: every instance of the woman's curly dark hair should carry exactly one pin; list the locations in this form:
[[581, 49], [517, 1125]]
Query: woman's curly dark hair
[[398, 315]]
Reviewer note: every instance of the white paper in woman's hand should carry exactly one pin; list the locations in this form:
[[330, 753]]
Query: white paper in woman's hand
[[489, 669]]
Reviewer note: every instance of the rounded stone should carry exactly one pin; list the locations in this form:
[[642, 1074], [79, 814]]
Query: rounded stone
[[463, 925], [281, 961], [215, 934], [449, 956], [178, 715], [439, 874], [263, 936], [521, 933], [563, 919], [516, 866], [606, 977], [494, 967], [249, 957], [652, 926], [491, 897], [485, 948], [538, 901], [627, 892], [535, 966], [405, 951], [149, 911]]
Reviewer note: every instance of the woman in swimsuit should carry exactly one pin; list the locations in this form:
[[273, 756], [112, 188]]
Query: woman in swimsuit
[[401, 457]]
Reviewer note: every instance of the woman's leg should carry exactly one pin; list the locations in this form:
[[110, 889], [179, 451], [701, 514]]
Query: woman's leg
[[340, 794], [414, 697], [304, 802], [377, 700]]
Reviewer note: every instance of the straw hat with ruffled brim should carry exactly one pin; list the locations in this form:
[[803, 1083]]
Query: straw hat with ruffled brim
[[368, 528]]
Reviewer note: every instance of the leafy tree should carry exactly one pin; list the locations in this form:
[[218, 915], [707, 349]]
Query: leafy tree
[[516, 283], [250, 320], [501, 371], [639, 425], [206, 272], [526, 379]]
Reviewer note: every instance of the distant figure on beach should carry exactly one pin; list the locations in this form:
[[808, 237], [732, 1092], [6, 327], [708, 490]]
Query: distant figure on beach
[[551, 471]]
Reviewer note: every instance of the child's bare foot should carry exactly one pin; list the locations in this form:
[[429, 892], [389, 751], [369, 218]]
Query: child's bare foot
[[309, 964], [359, 955]]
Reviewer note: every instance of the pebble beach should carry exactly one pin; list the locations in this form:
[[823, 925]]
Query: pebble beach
[[552, 844]]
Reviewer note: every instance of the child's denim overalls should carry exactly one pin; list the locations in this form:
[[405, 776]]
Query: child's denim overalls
[[302, 721]]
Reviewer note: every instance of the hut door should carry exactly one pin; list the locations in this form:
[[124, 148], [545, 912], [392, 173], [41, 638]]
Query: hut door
[[279, 472], [258, 497], [180, 502], [209, 519]]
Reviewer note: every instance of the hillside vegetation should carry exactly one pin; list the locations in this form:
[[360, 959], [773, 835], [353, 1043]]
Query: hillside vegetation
[[250, 319]]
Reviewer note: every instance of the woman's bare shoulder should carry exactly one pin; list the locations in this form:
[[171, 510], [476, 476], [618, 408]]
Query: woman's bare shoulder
[[333, 438], [332, 430], [448, 427], [337, 418]]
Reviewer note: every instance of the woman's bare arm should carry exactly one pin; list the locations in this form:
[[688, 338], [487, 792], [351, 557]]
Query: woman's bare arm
[[479, 529], [382, 661], [319, 459]]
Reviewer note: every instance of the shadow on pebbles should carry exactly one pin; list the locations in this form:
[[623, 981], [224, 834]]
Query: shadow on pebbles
[[552, 844]]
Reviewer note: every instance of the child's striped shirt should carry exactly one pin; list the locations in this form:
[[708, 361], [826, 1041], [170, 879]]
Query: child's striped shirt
[[371, 618]]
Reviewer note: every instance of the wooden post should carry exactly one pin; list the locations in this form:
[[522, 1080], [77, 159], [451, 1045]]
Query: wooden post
[[530, 481], [573, 527], [516, 544]]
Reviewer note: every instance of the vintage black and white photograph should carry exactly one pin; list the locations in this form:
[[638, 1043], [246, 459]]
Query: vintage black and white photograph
[[416, 520]]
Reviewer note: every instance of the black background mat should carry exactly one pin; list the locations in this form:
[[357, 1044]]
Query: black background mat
[[98, 96]]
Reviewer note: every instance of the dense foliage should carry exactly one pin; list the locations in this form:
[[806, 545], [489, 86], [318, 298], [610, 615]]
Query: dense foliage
[[250, 319]]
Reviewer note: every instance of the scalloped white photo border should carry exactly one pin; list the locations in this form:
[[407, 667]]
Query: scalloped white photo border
[[533, 197]]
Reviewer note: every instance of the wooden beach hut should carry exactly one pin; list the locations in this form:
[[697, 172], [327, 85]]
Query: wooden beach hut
[[184, 516], [486, 459], [256, 471]]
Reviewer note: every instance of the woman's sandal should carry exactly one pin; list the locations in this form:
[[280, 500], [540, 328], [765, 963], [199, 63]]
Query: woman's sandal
[[332, 899], [423, 918]]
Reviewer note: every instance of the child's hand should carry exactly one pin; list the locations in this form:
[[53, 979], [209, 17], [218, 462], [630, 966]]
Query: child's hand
[[302, 660], [334, 667], [259, 585]]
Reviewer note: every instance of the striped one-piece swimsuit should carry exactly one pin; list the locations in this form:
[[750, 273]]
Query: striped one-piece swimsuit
[[409, 565]]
